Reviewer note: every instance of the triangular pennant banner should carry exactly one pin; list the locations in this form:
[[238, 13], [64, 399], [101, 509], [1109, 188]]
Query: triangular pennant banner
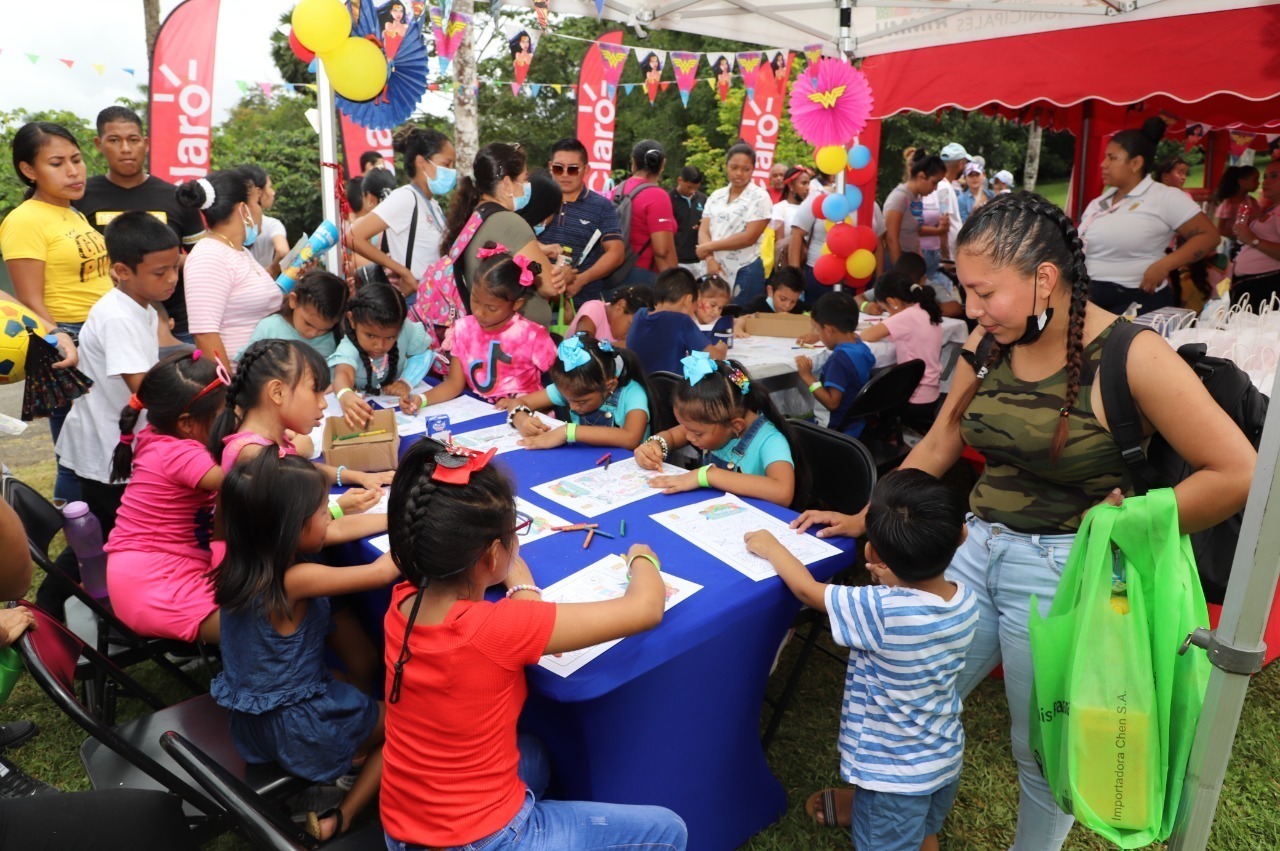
[[686, 70], [34, 57], [812, 53], [100, 69], [614, 57], [128, 71], [70, 63], [749, 68], [651, 64], [628, 87], [522, 45], [266, 88], [558, 88], [541, 7], [722, 68], [290, 88], [515, 90], [244, 87], [534, 88]]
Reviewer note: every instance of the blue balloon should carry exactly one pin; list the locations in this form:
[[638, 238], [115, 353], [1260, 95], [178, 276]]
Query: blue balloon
[[835, 208], [859, 156], [853, 195]]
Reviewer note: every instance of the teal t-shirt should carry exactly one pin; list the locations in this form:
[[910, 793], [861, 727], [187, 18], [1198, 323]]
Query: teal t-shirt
[[413, 340], [630, 397], [276, 327], [768, 445]]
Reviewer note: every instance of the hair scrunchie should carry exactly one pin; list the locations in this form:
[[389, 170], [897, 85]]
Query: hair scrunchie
[[136, 403], [210, 194]]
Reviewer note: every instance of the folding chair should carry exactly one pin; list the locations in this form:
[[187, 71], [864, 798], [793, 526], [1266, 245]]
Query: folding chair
[[661, 386], [263, 826], [128, 755], [883, 396], [89, 618], [843, 476]]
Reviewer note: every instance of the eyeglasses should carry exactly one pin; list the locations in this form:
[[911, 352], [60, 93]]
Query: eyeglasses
[[561, 168], [523, 525]]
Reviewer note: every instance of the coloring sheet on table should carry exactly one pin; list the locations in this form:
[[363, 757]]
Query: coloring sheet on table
[[501, 437], [605, 579], [595, 491], [382, 542], [542, 521], [380, 508], [458, 410], [718, 526]]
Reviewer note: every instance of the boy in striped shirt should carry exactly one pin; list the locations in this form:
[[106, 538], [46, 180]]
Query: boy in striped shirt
[[901, 742]]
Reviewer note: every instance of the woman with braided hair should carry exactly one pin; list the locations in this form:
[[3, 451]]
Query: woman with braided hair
[[456, 773], [1032, 406]]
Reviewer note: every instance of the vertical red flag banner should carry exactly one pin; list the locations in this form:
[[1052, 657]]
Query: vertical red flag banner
[[357, 140], [596, 113], [181, 109], [762, 115]]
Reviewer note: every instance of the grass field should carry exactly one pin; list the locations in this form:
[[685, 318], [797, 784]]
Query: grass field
[[803, 757]]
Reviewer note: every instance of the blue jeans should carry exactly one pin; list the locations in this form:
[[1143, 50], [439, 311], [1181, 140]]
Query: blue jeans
[[887, 821], [581, 825], [748, 284], [66, 487], [1005, 568]]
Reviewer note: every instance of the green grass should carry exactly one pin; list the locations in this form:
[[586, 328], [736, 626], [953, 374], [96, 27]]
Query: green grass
[[803, 757]]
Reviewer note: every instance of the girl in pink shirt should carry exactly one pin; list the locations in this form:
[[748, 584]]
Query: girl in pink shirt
[[913, 321], [496, 352], [161, 550], [609, 322]]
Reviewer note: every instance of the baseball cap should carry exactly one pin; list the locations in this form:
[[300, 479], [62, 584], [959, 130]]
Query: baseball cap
[[973, 168], [1005, 177], [954, 151]]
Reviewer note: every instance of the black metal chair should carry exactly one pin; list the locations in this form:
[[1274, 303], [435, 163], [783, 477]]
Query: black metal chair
[[265, 827], [880, 402], [843, 475], [661, 386], [88, 617], [128, 755]]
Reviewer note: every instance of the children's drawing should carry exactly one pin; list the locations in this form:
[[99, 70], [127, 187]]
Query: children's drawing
[[595, 491], [543, 521], [500, 437]]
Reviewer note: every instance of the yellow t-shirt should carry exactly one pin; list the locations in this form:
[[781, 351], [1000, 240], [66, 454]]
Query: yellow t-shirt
[[76, 268]]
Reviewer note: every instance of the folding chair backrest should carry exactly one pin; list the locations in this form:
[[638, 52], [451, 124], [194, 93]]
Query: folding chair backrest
[[662, 385], [263, 826], [842, 470], [886, 391], [39, 517]]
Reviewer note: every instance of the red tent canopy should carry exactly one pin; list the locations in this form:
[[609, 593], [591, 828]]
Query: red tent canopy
[[1217, 68]]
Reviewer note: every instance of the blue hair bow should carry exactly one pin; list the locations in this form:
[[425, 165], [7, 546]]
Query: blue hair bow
[[605, 346], [572, 354], [697, 366]]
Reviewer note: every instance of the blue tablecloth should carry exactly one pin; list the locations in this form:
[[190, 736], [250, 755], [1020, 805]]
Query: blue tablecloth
[[670, 717]]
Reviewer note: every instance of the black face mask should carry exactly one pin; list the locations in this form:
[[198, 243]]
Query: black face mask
[[1035, 324]]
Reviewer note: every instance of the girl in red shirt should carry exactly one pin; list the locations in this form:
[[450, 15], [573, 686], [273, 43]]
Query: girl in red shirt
[[455, 774]]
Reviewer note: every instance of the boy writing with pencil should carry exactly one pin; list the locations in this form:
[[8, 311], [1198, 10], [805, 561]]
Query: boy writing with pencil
[[901, 742]]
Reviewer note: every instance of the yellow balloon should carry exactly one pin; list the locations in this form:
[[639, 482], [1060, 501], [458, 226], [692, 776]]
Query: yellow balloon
[[357, 69], [321, 25], [831, 160], [861, 264], [826, 249], [14, 322]]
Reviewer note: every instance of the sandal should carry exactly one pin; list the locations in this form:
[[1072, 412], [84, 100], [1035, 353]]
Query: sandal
[[831, 807], [313, 823]]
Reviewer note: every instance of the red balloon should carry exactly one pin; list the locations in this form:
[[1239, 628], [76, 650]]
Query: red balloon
[[815, 201], [842, 239], [865, 238], [829, 269], [299, 49], [856, 284], [860, 176]]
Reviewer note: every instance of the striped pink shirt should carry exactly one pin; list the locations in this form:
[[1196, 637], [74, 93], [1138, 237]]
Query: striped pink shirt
[[228, 293]]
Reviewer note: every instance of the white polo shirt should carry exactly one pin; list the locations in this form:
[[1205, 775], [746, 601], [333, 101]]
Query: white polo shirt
[[1122, 241]]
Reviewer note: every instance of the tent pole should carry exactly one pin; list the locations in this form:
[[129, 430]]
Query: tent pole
[[848, 44], [1236, 647], [328, 154]]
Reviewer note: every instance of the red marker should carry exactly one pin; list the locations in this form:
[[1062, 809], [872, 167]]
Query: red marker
[[604, 459]]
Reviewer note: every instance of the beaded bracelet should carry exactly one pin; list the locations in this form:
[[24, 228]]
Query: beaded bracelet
[[571, 432], [515, 589], [335, 510], [340, 469], [702, 477], [653, 559], [511, 414], [662, 443]]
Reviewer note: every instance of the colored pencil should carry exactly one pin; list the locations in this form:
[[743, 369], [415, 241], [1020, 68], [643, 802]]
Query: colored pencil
[[604, 459], [356, 434], [590, 534], [601, 532], [622, 530]]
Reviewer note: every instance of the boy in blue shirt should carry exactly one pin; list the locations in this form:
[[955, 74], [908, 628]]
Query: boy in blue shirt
[[901, 741], [661, 337], [835, 319]]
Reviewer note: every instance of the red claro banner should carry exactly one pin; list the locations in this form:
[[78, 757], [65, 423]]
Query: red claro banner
[[596, 114], [357, 140], [181, 110], [762, 113]]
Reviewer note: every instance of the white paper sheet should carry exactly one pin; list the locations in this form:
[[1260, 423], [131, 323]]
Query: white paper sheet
[[501, 437], [380, 508], [605, 579], [595, 491], [382, 542], [718, 526], [458, 410], [542, 521]]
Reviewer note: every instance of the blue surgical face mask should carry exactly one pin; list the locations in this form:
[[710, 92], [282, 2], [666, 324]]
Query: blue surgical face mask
[[520, 202], [538, 229], [250, 232], [444, 181]]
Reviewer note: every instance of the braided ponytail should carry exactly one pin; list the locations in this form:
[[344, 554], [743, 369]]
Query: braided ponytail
[[288, 361], [1022, 230]]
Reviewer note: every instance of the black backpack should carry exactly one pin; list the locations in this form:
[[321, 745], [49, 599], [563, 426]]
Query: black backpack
[[1160, 465], [623, 205]]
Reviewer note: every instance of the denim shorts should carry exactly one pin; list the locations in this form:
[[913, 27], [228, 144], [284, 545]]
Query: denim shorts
[[888, 821]]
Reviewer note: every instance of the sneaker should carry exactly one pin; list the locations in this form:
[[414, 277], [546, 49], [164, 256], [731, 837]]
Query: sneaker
[[15, 733], [16, 783]]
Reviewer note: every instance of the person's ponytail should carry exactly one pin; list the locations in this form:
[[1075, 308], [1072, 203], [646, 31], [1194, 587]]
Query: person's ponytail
[[465, 200]]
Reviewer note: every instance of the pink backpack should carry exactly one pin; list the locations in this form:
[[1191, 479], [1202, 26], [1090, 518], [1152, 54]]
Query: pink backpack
[[439, 303]]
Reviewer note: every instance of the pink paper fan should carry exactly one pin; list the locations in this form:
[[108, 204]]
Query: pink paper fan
[[831, 106]]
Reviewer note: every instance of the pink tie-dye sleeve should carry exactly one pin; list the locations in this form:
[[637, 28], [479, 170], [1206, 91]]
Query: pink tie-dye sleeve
[[541, 347]]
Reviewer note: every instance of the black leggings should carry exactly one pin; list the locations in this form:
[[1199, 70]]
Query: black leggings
[[1116, 299]]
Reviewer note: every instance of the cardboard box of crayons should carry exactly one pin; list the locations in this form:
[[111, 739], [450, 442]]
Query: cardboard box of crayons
[[777, 325], [375, 449]]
